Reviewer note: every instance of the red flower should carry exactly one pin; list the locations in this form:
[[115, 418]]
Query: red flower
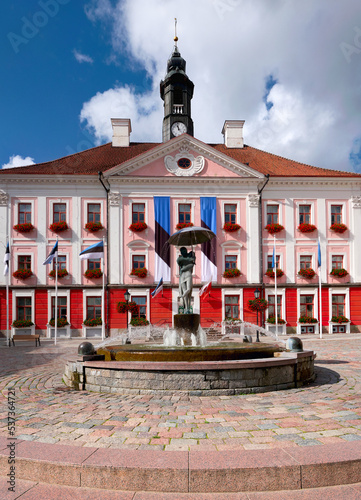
[[22, 323], [24, 228], [140, 273], [93, 322], [272, 320], [339, 273], [57, 227], [22, 274], [307, 273], [307, 319], [61, 273], [123, 307], [93, 227], [61, 322], [182, 225], [307, 228], [339, 319], [93, 273], [231, 273], [231, 228], [270, 273], [137, 227], [274, 228], [258, 304], [338, 228]]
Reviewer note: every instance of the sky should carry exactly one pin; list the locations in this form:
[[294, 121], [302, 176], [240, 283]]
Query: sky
[[290, 69]]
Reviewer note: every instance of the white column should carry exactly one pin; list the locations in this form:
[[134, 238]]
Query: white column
[[253, 238], [355, 243]]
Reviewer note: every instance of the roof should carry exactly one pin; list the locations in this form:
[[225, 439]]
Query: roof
[[102, 158]]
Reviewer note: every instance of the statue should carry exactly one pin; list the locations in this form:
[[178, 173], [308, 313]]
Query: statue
[[186, 262]]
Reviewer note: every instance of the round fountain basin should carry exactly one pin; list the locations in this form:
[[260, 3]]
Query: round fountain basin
[[219, 352]]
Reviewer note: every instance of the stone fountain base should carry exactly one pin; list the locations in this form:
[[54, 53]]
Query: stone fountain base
[[185, 325]]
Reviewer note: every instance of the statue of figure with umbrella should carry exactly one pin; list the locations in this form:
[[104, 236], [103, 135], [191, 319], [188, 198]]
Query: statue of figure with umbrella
[[186, 262]]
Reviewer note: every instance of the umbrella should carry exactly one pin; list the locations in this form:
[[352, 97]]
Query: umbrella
[[189, 236]]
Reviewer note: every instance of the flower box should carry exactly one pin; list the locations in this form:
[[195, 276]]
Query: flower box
[[22, 323], [182, 225], [271, 326], [306, 228], [22, 327], [338, 273], [270, 273], [58, 227], [258, 304], [61, 322], [139, 273], [138, 227], [308, 274], [92, 327], [61, 273], [22, 274], [93, 273], [307, 324], [274, 228], [231, 273], [338, 228], [139, 322], [339, 324], [231, 228], [93, 227], [26, 227], [61, 331], [272, 320], [307, 319]]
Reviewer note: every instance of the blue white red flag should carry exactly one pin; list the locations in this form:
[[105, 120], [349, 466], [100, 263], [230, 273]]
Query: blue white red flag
[[157, 289], [95, 251], [52, 255], [7, 260]]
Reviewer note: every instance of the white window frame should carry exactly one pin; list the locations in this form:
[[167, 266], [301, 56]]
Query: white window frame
[[51, 207], [339, 291], [94, 201], [307, 291], [90, 293], [231, 248], [238, 210], [132, 201], [313, 261], [280, 207], [232, 291], [140, 292], [305, 202], [270, 255], [23, 254], [16, 210], [184, 202], [138, 247], [344, 259], [344, 206], [61, 293], [20, 294], [282, 292]]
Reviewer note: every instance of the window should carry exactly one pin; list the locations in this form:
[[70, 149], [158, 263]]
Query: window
[[306, 305], [24, 213], [93, 264], [337, 261], [230, 213], [138, 212], [305, 261], [23, 308], [271, 306], [142, 307], [269, 261], [59, 212], [94, 212], [138, 261], [272, 214], [61, 307], [336, 214], [230, 262], [184, 212], [24, 262], [231, 304], [305, 214], [93, 307], [338, 305], [61, 262]]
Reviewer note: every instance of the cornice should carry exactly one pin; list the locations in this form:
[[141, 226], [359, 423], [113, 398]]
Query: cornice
[[184, 180], [71, 179], [312, 181]]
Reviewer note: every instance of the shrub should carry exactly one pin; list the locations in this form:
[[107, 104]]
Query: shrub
[[60, 322], [93, 273], [22, 323], [93, 322], [339, 319], [182, 225], [272, 320], [338, 228], [137, 227], [58, 227], [61, 273], [139, 322], [231, 228], [307, 273], [258, 304], [339, 273], [24, 228], [140, 273], [93, 227], [274, 228], [231, 273], [307, 319], [270, 273], [22, 274], [307, 228]]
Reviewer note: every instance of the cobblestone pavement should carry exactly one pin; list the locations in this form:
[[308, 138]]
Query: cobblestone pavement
[[328, 411]]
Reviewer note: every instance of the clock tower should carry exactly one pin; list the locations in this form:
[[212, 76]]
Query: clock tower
[[176, 90]]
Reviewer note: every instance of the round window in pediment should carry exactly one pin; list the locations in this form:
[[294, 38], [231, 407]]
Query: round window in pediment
[[184, 163]]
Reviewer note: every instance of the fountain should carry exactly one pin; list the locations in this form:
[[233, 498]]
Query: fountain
[[185, 363]]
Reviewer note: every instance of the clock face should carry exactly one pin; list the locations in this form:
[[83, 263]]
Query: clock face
[[178, 128]]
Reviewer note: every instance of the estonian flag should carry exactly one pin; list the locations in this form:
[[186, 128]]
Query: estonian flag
[[52, 255], [319, 254], [95, 251], [159, 288], [6, 260], [206, 288]]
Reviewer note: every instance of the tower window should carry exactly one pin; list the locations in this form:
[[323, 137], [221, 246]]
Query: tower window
[[178, 96]]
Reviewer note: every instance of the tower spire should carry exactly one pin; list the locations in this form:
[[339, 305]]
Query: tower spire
[[175, 32]]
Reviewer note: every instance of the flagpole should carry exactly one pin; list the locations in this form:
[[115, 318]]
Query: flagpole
[[103, 294], [319, 283], [7, 306], [275, 272], [56, 296]]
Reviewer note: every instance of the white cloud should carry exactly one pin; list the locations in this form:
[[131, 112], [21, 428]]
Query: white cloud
[[231, 47], [18, 161], [82, 58]]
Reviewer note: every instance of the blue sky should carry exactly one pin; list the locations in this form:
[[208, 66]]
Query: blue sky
[[291, 69]]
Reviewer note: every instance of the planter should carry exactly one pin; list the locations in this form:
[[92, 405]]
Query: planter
[[93, 273], [282, 329], [26, 330], [303, 328], [23, 228], [58, 227], [337, 327], [62, 331], [338, 228], [139, 273], [91, 331], [93, 227], [22, 274], [139, 322], [231, 228], [274, 228], [338, 273], [307, 274], [61, 273], [138, 227], [306, 228], [270, 273], [258, 305], [182, 225], [231, 273]]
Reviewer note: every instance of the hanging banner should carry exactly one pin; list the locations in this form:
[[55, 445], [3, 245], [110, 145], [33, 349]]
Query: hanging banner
[[162, 234], [209, 249]]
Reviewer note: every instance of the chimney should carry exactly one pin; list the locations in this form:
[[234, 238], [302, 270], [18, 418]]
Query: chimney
[[121, 132], [233, 133]]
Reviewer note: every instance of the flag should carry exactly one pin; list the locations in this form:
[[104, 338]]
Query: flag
[[52, 255], [6, 260], [159, 288], [95, 251], [319, 254], [274, 255], [205, 288]]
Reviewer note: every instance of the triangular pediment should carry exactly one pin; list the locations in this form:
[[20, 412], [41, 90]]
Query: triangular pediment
[[163, 161]]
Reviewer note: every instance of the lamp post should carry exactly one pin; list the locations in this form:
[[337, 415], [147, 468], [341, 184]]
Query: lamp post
[[257, 293], [127, 297]]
